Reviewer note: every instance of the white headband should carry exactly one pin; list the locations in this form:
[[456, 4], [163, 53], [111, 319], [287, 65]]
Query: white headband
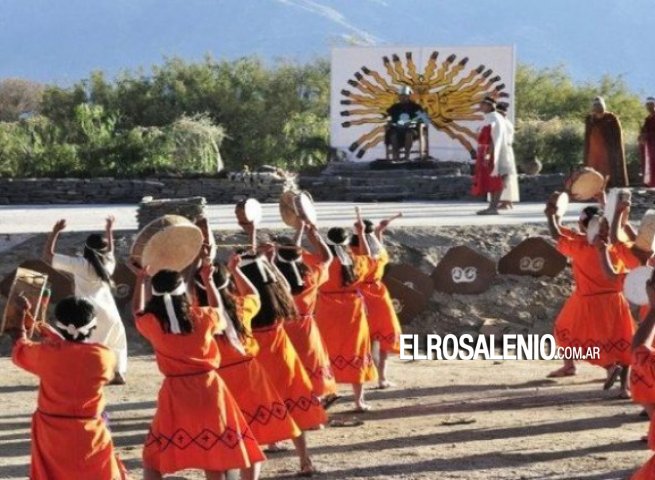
[[294, 267], [170, 309], [74, 331], [264, 270], [650, 100], [330, 242]]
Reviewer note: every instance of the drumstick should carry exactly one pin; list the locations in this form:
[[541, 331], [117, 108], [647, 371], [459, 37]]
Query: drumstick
[[358, 212], [397, 215]]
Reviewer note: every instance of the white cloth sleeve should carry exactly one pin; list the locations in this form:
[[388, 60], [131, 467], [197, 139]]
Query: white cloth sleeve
[[66, 263]]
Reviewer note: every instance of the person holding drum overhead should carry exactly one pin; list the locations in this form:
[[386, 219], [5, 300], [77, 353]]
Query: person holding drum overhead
[[69, 436], [306, 272], [596, 314], [92, 273], [193, 398], [382, 319], [259, 401], [341, 314], [644, 391], [276, 352]]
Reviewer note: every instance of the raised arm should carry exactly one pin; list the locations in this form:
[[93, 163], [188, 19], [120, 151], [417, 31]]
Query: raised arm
[[382, 226], [319, 244], [554, 226], [605, 259], [244, 286], [360, 228], [140, 297], [49, 249], [645, 334], [109, 233], [297, 238]]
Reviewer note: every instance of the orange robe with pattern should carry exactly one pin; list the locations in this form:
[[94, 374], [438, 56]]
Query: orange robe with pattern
[[283, 366], [304, 333], [647, 471], [382, 319], [341, 319], [69, 438], [259, 401], [596, 314], [197, 424]]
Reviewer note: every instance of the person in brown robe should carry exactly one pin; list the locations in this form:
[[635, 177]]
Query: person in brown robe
[[603, 146], [647, 144]]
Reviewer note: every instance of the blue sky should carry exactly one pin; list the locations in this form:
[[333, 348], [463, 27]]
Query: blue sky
[[63, 40]]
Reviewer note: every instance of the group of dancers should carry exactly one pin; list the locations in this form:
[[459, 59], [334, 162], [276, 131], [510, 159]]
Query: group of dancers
[[251, 351], [598, 315]]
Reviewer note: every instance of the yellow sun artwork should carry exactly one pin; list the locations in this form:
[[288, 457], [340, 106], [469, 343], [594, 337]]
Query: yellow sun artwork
[[448, 94]]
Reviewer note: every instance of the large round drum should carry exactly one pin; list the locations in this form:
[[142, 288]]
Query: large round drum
[[171, 242], [249, 211], [585, 184], [297, 207], [634, 287], [29, 283], [646, 236]]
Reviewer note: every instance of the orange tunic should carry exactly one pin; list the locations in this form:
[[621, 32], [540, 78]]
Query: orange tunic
[[197, 423], [259, 401], [341, 319], [304, 333], [647, 471], [596, 314], [382, 319], [69, 437], [642, 376], [282, 364]]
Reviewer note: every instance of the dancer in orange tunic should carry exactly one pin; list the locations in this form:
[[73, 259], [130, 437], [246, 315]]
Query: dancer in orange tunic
[[596, 314], [259, 400], [644, 389], [69, 437], [382, 319], [341, 315], [306, 272], [197, 423]]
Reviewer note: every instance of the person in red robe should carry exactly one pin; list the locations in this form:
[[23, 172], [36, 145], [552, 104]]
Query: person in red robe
[[603, 146], [491, 146], [643, 380], [69, 439], [647, 144]]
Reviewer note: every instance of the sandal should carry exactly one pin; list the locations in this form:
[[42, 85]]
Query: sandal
[[385, 385], [363, 408], [330, 400], [275, 448], [345, 423], [307, 469]]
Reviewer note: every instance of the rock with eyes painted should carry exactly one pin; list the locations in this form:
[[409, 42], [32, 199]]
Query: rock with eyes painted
[[407, 301], [411, 277], [465, 271], [533, 257]]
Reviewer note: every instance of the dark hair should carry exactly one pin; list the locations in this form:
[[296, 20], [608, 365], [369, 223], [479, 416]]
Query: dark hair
[[339, 235], [166, 281], [220, 276], [589, 213], [277, 302], [95, 251], [288, 256], [77, 311]]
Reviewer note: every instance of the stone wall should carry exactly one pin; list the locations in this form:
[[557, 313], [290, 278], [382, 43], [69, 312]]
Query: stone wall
[[263, 187], [399, 185], [353, 184]]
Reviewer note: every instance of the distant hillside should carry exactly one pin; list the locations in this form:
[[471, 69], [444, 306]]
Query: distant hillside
[[63, 40]]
